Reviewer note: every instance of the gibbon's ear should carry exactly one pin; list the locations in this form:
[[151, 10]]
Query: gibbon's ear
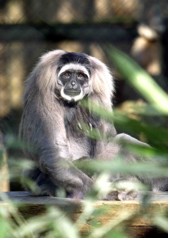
[[44, 76], [102, 82]]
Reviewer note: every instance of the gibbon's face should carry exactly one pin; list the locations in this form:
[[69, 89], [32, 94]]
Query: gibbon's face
[[74, 73]]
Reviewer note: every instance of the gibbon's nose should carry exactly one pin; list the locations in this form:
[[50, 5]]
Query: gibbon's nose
[[73, 84]]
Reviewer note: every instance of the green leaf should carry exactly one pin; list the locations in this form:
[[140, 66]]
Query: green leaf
[[139, 79]]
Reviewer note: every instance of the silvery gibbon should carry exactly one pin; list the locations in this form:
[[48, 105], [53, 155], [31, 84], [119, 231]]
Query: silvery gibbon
[[52, 117]]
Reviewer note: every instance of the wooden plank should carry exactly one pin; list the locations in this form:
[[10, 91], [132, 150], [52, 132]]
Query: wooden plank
[[99, 32], [136, 226]]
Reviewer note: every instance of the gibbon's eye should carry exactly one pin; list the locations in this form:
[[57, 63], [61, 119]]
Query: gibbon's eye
[[66, 75], [81, 76]]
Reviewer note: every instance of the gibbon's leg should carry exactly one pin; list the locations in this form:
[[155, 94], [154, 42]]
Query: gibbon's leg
[[119, 147], [44, 184], [41, 181], [156, 184]]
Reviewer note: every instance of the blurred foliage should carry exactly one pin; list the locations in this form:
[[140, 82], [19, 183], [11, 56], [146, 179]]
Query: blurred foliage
[[54, 222], [140, 80]]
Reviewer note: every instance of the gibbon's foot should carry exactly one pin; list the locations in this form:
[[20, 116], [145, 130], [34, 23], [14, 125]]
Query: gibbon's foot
[[121, 195]]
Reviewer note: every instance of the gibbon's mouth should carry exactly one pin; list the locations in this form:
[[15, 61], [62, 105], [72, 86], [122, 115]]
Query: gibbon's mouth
[[72, 92], [71, 95]]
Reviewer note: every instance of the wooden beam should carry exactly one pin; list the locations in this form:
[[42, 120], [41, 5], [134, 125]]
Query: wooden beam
[[138, 225], [100, 32]]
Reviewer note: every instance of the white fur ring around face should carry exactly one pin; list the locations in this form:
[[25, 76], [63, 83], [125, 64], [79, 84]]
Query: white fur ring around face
[[71, 98]]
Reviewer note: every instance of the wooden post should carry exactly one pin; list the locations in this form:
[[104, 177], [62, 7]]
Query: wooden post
[[4, 177]]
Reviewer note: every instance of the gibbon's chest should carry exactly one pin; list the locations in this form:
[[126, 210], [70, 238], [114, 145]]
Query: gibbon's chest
[[79, 125]]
